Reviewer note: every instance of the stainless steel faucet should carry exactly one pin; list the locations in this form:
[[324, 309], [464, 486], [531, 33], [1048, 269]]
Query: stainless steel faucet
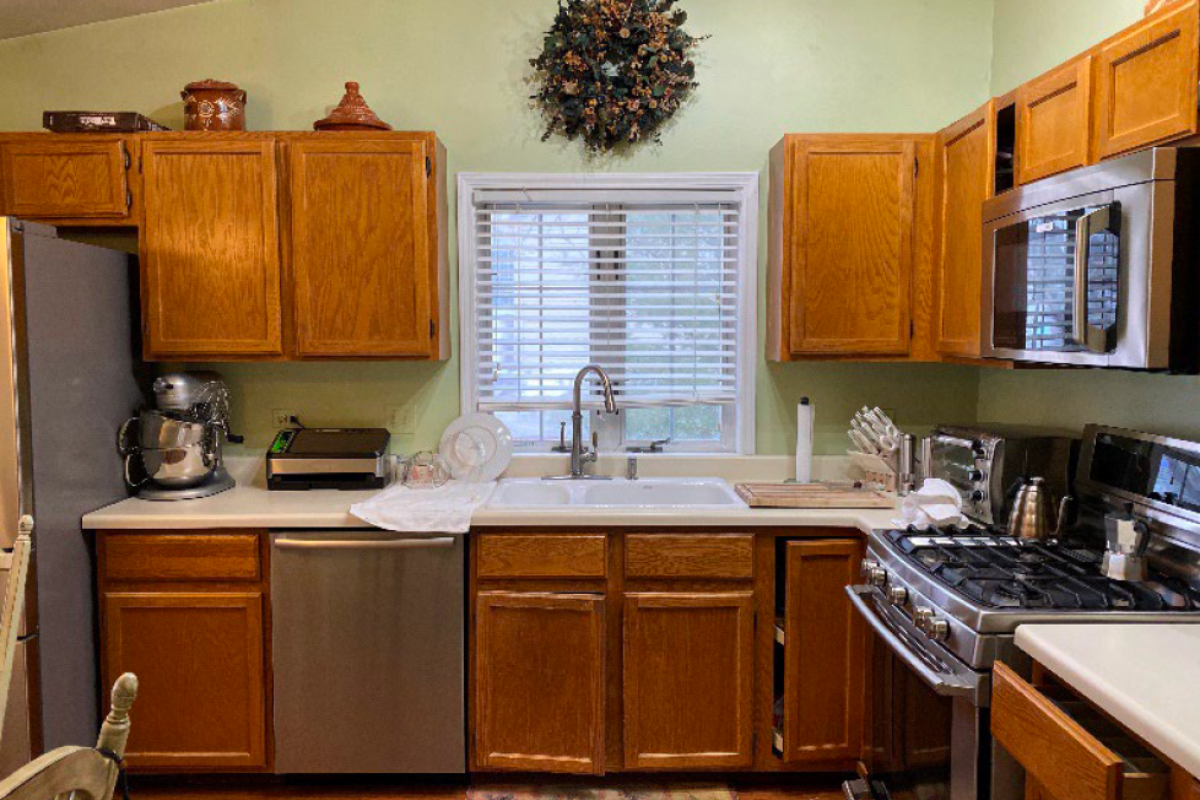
[[579, 454]]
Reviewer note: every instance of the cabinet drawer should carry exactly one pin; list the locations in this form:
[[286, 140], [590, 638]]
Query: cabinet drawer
[[181, 557], [1067, 748], [542, 556], [690, 556], [68, 179]]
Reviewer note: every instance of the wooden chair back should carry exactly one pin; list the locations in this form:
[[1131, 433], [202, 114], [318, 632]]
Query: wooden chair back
[[79, 773]]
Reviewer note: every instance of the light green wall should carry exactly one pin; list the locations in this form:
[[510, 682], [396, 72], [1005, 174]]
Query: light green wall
[[459, 67], [1030, 37]]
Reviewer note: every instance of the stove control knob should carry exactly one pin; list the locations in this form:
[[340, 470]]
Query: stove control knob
[[921, 617], [878, 577], [897, 595], [938, 629], [976, 476], [977, 496], [868, 568]]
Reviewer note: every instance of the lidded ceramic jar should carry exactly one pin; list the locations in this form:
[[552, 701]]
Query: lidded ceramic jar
[[351, 114], [211, 105]]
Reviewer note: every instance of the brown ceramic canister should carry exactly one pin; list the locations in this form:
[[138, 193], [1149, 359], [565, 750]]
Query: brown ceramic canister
[[211, 105]]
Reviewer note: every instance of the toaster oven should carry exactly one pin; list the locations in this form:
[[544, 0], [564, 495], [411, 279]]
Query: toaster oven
[[985, 464]]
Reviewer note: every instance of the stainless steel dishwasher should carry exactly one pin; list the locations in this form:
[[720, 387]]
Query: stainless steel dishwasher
[[367, 634]]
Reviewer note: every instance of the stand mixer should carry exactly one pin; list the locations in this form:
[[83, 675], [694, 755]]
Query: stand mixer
[[176, 452]]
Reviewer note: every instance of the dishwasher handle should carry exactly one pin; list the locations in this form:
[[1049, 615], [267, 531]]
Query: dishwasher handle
[[438, 543]]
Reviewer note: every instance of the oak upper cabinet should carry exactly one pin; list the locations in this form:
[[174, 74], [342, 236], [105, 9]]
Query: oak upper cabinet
[[689, 663], [364, 249], [966, 152], [1146, 82], [842, 242], [210, 247], [68, 179], [186, 613], [539, 682], [824, 677], [1054, 121]]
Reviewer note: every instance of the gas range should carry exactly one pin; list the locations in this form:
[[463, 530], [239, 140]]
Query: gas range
[[967, 589]]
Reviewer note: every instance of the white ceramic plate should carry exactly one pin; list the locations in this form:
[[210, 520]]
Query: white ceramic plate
[[477, 447]]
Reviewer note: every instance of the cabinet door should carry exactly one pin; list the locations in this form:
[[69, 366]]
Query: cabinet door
[[1053, 121], [1147, 83], [852, 239], [360, 249], [539, 682], [689, 661], [68, 179], [823, 655], [967, 151], [210, 249], [199, 662]]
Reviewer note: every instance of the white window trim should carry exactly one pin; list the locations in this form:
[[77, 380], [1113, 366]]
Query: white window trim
[[744, 188]]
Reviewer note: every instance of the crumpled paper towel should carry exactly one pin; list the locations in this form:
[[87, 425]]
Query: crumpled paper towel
[[445, 509], [936, 503]]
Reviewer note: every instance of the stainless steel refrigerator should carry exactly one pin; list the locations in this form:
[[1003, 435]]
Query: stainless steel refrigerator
[[69, 375]]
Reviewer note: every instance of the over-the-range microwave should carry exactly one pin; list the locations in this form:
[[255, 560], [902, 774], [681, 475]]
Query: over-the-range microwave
[[1098, 267]]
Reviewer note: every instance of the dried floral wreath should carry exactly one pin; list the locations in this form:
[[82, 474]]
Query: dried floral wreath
[[612, 72]]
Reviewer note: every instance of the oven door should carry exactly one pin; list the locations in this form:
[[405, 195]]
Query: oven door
[[926, 736], [1057, 284]]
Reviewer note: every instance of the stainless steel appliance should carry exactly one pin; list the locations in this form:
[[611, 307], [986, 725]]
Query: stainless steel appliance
[[368, 643], [986, 462], [68, 378], [329, 458], [943, 606], [175, 451], [1095, 267], [1032, 515]]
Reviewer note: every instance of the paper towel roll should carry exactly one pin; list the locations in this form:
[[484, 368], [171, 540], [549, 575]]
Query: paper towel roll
[[805, 414]]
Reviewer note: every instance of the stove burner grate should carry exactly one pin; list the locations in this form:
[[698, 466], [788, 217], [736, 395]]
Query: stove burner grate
[[1001, 572]]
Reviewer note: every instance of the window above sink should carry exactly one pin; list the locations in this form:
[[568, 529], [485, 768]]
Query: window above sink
[[653, 277]]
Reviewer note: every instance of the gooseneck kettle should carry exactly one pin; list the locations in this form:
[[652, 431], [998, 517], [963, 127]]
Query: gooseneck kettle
[[1032, 515]]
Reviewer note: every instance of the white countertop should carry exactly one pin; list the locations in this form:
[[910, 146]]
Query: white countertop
[[251, 505], [1144, 676]]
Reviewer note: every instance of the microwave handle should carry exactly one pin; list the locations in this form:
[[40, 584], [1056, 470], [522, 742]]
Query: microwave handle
[[1097, 220]]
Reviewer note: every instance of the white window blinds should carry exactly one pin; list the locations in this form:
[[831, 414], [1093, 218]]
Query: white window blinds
[[643, 283]]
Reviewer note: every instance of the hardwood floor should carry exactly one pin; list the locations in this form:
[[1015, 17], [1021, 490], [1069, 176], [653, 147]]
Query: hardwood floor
[[166, 788]]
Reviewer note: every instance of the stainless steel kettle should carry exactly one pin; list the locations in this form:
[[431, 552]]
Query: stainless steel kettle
[[1032, 513]]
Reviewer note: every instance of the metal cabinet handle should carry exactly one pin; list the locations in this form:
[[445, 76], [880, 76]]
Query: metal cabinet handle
[[1097, 220], [942, 684], [440, 543]]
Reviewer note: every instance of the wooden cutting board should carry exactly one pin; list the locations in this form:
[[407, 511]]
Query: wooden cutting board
[[810, 495]]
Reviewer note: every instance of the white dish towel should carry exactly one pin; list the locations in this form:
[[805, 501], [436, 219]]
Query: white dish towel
[[445, 509], [937, 502]]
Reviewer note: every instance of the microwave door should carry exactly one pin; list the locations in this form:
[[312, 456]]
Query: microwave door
[[1054, 280]]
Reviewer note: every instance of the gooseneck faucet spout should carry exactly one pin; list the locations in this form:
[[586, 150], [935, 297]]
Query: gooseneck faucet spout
[[579, 454]]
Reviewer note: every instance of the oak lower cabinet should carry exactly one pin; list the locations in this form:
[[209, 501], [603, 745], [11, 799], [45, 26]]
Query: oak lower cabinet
[[689, 663], [69, 179], [539, 681], [187, 613], [210, 259], [644, 651], [966, 153], [850, 261], [823, 642]]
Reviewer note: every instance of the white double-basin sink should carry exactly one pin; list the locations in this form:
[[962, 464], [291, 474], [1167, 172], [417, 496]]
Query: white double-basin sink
[[644, 493]]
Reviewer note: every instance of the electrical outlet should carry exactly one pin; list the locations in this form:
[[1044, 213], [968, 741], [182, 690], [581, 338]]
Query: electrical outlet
[[401, 418], [281, 418]]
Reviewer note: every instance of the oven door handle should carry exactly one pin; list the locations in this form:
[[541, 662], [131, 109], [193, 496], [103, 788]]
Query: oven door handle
[[1081, 331], [941, 683]]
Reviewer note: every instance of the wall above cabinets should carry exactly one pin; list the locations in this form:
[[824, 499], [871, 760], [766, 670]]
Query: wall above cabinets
[[260, 246]]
